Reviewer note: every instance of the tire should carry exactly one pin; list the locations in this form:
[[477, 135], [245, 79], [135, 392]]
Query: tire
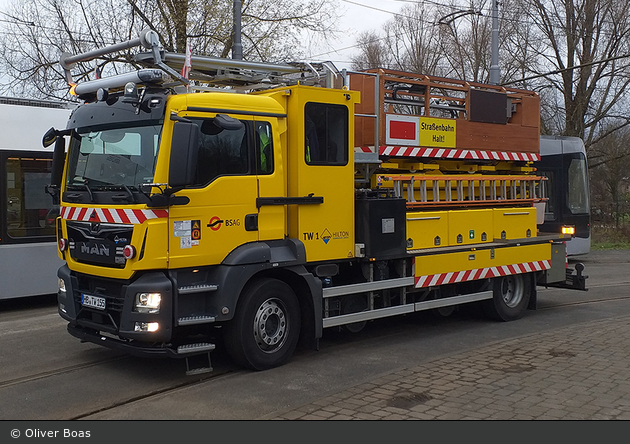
[[266, 326], [510, 297], [354, 304], [444, 312]]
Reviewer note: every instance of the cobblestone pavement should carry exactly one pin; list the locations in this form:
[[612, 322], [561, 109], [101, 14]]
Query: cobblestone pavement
[[575, 373]]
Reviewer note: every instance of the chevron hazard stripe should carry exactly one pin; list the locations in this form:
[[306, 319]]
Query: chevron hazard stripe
[[111, 215], [443, 153], [480, 273]]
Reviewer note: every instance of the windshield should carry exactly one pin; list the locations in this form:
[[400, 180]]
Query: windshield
[[578, 198], [113, 158]]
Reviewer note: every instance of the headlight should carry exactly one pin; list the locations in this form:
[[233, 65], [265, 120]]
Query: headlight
[[148, 302], [62, 285]]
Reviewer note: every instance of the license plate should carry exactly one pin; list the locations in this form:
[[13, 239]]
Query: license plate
[[93, 301]]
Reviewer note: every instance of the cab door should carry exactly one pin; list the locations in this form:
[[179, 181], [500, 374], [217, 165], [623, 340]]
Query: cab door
[[222, 198], [272, 185]]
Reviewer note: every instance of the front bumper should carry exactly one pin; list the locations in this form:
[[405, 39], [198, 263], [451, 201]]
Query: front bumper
[[118, 318], [137, 349]]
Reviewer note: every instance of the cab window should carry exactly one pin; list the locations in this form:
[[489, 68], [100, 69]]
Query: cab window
[[264, 148], [222, 152], [326, 134]]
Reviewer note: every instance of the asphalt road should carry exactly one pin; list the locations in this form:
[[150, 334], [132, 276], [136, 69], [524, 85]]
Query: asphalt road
[[48, 375]]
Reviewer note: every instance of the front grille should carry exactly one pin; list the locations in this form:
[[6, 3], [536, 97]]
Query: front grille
[[98, 244]]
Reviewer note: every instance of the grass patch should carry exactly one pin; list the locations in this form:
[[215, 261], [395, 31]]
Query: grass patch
[[607, 237], [610, 246]]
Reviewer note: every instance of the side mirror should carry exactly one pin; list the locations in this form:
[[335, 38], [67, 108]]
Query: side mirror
[[227, 123], [184, 154], [49, 138], [58, 160], [56, 174]]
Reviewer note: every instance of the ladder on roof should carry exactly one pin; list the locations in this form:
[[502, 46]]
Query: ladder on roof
[[423, 191]]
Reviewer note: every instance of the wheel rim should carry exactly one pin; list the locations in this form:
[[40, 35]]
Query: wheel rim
[[271, 325], [512, 290]]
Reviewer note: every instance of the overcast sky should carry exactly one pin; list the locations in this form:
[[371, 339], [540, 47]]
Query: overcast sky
[[355, 16]]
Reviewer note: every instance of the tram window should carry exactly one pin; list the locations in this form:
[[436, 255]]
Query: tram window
[[550, 207], [30, 210], [578, 199]]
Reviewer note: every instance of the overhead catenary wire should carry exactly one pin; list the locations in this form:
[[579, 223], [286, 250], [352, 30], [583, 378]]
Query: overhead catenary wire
[[569, 68]]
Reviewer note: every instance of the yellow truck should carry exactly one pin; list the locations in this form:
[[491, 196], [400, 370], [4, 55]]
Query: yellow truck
[[274, 201]]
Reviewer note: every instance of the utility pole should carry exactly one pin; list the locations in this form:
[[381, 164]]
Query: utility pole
[[494, 62], [237, 47]]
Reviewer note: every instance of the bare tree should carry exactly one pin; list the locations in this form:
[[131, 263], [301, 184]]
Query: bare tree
[[410, 42], [465, 42], [582, 54], [416, 46], [451, 40], [373, 52], [414, 39], [37, 32], [609, 163]]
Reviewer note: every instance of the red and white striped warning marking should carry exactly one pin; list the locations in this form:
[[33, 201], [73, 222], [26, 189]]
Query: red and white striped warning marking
[[446, 153], [111, 215], [480, 273]]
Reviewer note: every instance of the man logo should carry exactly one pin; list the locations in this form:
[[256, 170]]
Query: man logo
[[95, 227], [95, 249]]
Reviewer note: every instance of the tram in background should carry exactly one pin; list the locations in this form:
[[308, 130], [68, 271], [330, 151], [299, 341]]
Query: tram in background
[[564, 163], [28, 251]]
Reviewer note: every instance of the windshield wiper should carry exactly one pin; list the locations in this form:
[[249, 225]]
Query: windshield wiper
[[129, 197], [82, 185]]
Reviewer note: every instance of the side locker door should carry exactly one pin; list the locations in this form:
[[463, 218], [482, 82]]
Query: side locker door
[[272, 184]]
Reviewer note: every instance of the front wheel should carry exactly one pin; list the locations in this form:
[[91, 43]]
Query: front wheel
[[510, 297], [266, 327]]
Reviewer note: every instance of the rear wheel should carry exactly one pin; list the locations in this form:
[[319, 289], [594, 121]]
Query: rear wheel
[[266, 326], [510, 297], [354, 304], [444, 312]]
